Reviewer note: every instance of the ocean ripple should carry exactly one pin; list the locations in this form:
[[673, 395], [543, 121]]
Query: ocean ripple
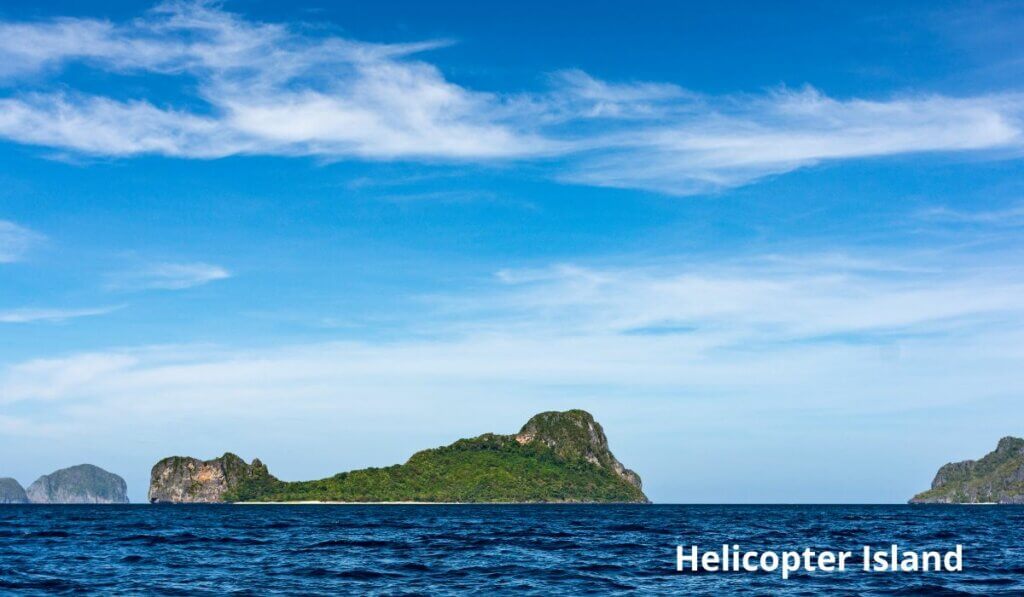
[[445, 550]]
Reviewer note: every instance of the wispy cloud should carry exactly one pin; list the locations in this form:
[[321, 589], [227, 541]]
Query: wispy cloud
[[734, 141], [15, 241], [168, 276], [576, 95], [31, 315], [766, 301], [271, 89], [1008, 217], [276, 89], [52, 378], [728, 327]]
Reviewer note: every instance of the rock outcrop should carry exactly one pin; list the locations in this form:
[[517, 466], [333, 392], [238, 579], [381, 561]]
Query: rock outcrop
[[11, 492], [81, 484], [185, 480], [575, 434], [997, 478]]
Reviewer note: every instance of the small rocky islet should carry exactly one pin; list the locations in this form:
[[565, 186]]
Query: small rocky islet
[[557, 457]]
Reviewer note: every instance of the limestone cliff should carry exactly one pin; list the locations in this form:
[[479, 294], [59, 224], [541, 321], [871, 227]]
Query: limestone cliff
[[575, 434], [81, 484], [181, 479], [997, 478], [11, 492]]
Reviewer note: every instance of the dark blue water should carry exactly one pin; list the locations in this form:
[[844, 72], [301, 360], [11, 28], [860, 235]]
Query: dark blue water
[[541, 550]]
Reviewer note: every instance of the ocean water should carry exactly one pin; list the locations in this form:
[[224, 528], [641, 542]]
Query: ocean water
[[436, 550]]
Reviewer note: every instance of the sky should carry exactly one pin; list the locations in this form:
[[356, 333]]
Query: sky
[[775, 250]]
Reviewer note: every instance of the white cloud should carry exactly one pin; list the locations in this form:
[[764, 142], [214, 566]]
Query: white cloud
[[169, 276], [740, 140], [765, 301], [54, 378], [1009, 217], [578, 95], [270, 89], [773, 324], [102, 126], [31, 315], [15, 241], [280, 90], [29, 47]]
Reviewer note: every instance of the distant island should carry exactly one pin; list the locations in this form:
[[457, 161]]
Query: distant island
[[80, 484], [998, 478], [11, 492], [558, 457]]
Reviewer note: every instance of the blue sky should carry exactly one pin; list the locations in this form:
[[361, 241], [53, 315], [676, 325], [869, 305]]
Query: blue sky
[[776, 251]]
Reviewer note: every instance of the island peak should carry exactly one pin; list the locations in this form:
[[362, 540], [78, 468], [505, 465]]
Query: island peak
[[998, 477], [574, 434]]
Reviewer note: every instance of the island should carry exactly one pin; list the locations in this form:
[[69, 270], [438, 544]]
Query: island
[[11, 492], [998, 478], [80, 484], [557, 457]]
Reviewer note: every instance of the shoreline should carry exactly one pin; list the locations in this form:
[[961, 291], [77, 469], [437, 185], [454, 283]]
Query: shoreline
[[331, 503], [410, 503], [320, 503]]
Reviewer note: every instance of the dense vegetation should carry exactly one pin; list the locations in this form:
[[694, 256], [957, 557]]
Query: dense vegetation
[[489, 468], [996, 478]]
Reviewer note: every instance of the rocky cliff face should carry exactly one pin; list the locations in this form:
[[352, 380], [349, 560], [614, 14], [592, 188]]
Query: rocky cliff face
[[82, 484], [181, 479], [575, 434], [11, 492], [997, 478]]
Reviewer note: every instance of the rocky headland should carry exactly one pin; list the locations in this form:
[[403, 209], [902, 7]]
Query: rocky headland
[[185, 480], [997, 478]]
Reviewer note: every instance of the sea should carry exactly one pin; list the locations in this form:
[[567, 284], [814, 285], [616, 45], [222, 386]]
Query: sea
[[488, 549]]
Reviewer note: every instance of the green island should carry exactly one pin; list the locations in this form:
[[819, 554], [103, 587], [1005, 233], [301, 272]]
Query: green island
[[557, 457], [997, 478]]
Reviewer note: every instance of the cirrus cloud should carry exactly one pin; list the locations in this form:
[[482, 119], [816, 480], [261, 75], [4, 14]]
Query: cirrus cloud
[[168, 276], [280, 89], [15, 241], [31, 315]]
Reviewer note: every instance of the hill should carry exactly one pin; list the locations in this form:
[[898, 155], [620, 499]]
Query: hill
[[81, 484]]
